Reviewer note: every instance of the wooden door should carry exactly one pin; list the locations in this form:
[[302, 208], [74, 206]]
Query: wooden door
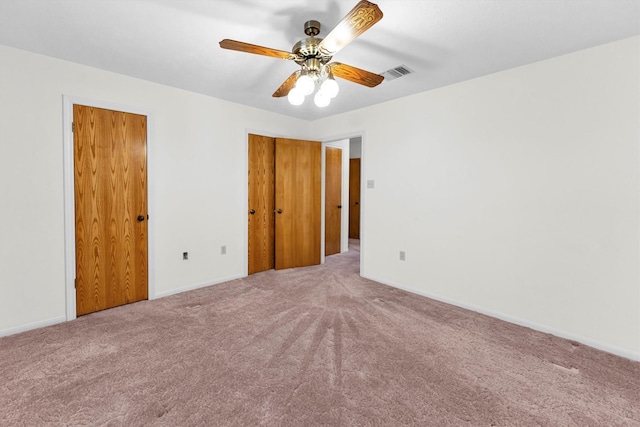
[[110, 184], [298, 203], [354, 198], [333, 200], [261, 203]]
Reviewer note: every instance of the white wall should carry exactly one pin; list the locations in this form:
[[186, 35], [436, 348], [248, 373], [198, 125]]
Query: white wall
[[516, 194], [198, 182]]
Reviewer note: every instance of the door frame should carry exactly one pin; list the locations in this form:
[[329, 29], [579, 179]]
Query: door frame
[[342, 144], [69, 196], [363, 194], [245, 191]]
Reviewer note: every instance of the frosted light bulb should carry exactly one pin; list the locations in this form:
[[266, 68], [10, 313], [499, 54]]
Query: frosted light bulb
[[305, 85], [321, 99], [330, 88], [295, 96]]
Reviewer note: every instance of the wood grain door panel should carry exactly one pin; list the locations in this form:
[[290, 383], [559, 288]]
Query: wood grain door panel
[[333, 200], [261, 203], [298, 203], [110, 184], [354, 198]]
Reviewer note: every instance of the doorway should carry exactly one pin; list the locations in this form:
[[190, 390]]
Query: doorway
[[355, 185], [354, 198], [140, 254], [110, 194], [333, 201]]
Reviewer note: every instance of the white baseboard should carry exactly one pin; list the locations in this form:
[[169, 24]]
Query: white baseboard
[[507, 318], [61, 319], [33, 325], [197, 286], [627, 354]]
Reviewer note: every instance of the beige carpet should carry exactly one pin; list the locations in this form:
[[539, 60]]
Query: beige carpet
[[313, 346]]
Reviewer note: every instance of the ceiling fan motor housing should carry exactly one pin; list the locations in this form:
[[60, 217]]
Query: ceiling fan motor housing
[[307, 50]]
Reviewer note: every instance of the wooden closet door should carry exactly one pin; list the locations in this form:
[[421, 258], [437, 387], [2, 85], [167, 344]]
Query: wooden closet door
[[110, 190], [261, 203], [333, 200], [354, 198], [298, 202]]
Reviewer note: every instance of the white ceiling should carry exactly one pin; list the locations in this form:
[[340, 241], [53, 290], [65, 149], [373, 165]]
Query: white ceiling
[[175, 42]]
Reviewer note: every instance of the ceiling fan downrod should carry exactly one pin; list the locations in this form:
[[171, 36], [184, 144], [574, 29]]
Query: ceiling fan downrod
[[312, 28]]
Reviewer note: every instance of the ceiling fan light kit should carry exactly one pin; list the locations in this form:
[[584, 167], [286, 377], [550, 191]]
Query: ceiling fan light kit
[[313, 55], [307, 83], [321, 99], [295, 96], [330, 86]]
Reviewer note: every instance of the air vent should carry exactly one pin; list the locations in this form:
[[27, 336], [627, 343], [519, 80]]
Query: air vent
[[397, 72]]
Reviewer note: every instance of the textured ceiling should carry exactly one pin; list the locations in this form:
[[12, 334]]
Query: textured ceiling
[[175, 42]]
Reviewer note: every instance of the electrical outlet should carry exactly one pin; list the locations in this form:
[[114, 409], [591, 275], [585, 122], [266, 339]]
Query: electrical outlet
[[185, 255], [223, 250], [402, 256]]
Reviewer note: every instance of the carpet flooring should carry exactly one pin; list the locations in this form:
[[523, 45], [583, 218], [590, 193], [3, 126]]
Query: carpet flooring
[[308, 346]]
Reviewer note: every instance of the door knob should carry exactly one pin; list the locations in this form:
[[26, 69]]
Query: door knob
[[252, 211], [339, 206], [357, 203], [279, 211], [140, 218]]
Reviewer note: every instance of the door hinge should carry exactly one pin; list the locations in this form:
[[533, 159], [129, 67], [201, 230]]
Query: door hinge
[[73, 127], [75, 283]]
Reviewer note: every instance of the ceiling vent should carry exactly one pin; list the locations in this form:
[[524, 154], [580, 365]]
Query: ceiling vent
[[396, 73]]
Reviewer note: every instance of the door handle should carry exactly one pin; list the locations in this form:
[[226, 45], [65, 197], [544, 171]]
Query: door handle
[[252, 211], [357, 203], [140, 218], [278, 211], [339, 206]]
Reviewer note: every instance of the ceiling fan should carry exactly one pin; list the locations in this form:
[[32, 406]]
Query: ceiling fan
[[313, 55]]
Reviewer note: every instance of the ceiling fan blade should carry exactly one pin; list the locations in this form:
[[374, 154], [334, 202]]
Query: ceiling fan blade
[[286, 87], [258, 50], [362, 17], [355, 75]]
